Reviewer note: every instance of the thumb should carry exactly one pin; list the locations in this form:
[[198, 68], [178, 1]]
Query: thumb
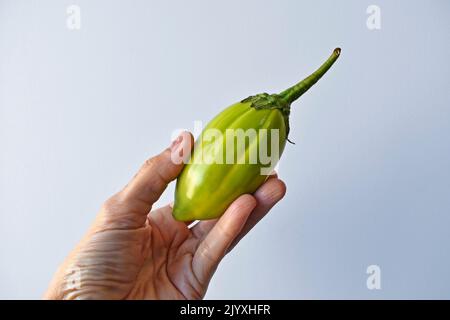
[[136, 199], [155, 174]]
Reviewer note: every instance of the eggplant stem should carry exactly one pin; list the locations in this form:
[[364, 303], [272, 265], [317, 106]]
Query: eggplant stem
[[294, 92]]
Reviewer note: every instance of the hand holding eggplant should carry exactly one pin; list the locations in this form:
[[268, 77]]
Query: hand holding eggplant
[[129, 253]]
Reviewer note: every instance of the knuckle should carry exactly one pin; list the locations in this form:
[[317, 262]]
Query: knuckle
[[151, 162], [225, 233], [205, 252], [112, 203]]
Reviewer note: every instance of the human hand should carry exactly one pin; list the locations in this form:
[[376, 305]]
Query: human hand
[[129, 253]]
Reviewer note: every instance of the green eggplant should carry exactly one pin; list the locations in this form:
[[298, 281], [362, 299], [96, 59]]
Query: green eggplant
[[228, 159]]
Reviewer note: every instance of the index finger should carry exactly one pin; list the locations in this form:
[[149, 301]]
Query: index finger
[[214, 246]]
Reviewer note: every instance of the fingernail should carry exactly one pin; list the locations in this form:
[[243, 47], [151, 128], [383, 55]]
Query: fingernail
[[176, 142], [176, 150]]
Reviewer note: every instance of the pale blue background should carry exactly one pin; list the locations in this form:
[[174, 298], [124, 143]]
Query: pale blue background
[[368, 179]]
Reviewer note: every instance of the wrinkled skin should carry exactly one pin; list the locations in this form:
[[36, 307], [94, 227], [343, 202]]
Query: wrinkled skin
[[129, 253]]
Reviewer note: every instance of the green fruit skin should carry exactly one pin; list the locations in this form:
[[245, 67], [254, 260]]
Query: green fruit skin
[[204, 190]]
